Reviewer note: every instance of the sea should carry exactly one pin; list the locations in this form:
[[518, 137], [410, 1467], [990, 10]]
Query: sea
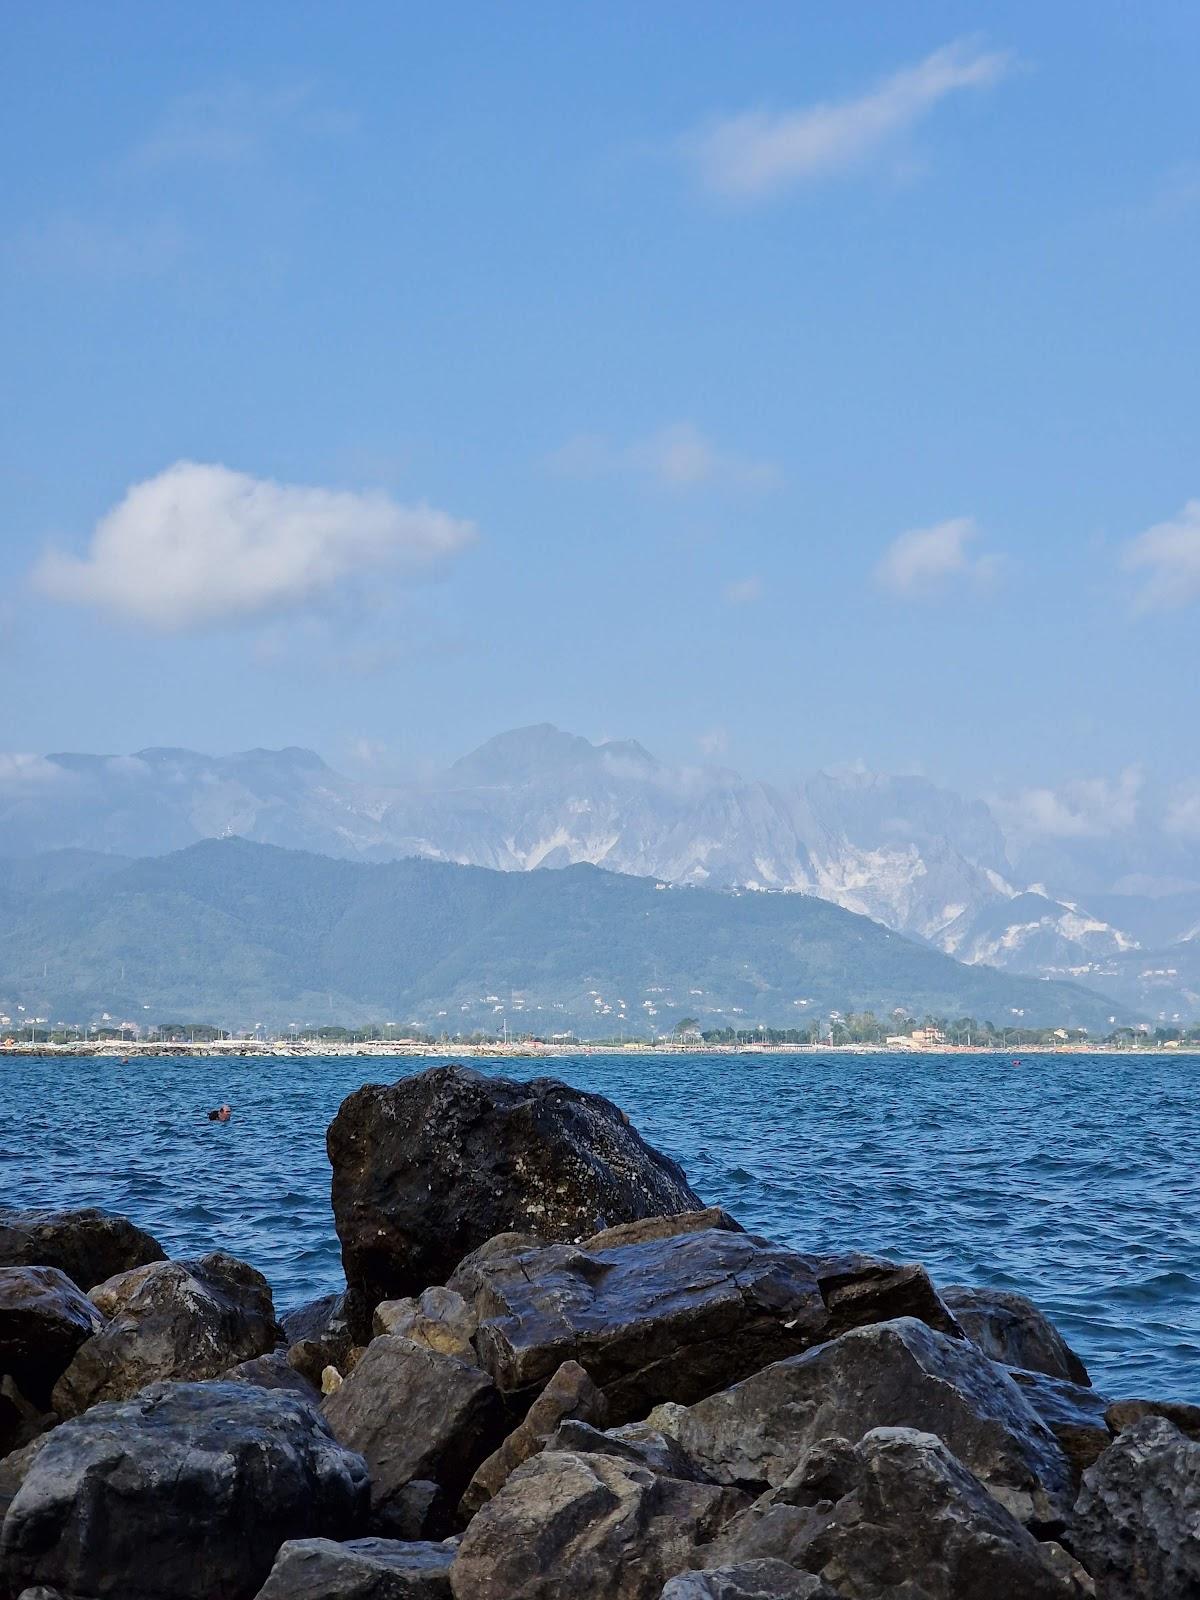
[[1071, 1179]]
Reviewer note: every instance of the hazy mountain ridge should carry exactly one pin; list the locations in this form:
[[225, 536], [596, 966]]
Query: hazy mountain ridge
[[241, 933], [916, 857]]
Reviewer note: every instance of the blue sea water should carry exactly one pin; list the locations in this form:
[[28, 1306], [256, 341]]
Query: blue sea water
[[1072, 1179]]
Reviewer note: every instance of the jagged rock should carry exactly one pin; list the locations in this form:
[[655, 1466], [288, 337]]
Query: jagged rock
[[889, 1374], [426, 1170], [1123, 1414], [88, 1245], [361, 1569], [592, 1527], [668, 1227], [319, 1335], [635, 1442], [917, 1517], [272, 1371], [748, 1580], [44, 1318], [569, 1394], [415, 1414], [186, 1491], [1010, 1329], [438, 1318], [1137, 1514], [173, 1319], [1077, 1417], [858, 1289]]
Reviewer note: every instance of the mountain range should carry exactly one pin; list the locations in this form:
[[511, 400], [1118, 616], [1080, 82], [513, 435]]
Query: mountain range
[[918, 858], [242, 933]]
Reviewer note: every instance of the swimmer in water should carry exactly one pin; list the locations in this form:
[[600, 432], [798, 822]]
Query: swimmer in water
[[221, 1114]]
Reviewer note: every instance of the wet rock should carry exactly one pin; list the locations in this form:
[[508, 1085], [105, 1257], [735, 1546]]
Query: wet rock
[[361, 1569], [44, 1318], [426, 1170], [1077, 1417], [319, 1333], [415, 1414], [917, 1517], [174, 1319], [669, 1227], [859, 1289], [438, 1318], [88, 1245], [658, 1319], [748, 1580], [636, 1442], [272, 1371], [1010, 1329], [186, 1491], [1137, 1514], [1123, 1414], [592, 1527], [889, 1374], [569, 1394]]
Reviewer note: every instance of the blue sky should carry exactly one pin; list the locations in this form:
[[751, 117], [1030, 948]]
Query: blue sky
[[782, 385]]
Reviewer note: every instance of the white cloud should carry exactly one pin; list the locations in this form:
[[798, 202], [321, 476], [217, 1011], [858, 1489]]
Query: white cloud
[[678, 458], [925, 558], [714, 742], [744, 592], [753, 154], [1183, 810], [233, 123], [20, 774], [1085, 808], [200, 545], [1169, 556]]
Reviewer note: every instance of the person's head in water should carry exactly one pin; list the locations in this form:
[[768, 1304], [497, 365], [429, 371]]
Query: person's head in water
[[221, 1114]]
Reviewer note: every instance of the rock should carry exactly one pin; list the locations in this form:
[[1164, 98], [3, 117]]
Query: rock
[[420, 1511], [591, 1527], [1137, 1514], [858, 1289], [1123, 1414], [186, 1491], [429, 1168], [44, 1319], [319, 1333], [174, 1319], [1077, 1417], [636, 1442], [916, 1517], [889, 1374], [1010, 1329], [272, 1371], [88, 1245], [668, 1227], [438, 1318], [20, 1420], [415, 1414], [748, 1580], [361, 1569], [569, 1394]]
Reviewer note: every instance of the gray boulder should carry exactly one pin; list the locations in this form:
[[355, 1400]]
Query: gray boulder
[[414, 1414], [361, 1569], [186, 1491], [272, 1371], [634, 1441], [1076, 1416], [87, 1244], [889, 1374], [429, 1168], [670, 1315], [592, 1527], [1136, 1519], [318, 1336], [569, 1394], [748, 1580], [44, 1318], [172, 1319], [1010, 1328]]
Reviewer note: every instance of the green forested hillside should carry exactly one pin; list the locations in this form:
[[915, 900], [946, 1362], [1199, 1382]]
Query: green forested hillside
[[240, 933]]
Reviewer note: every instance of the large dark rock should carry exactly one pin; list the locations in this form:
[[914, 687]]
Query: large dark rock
[[1076, 1416], [748, 1580], [319, 1334], [911, 1515], [361, 1569], [633, 1441], [670, 1315], [1010, 1328], [888, 1374], [591, 1527], [432, 1166], [414, 1414], [273, 1371], [172, 1319], [88, 1245], [570, 1394], [44, 1318], [1136, 1519], [185, 1492]]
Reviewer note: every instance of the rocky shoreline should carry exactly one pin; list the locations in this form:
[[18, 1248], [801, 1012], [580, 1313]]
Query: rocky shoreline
[[555, 1371]]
